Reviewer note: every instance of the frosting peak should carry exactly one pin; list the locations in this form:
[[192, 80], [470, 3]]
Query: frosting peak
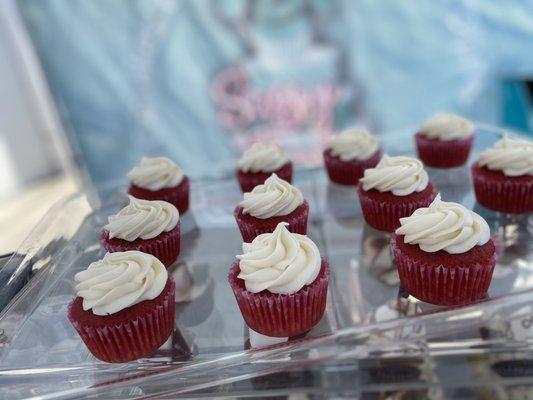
[[274, 198], [399, 175], [445, 126], [512, 157], [263, 158], [354, 145], [120, 280], [156, 173], [444, 226], [280, 262], [143, 219]]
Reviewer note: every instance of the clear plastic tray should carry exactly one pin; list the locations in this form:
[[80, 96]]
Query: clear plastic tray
[[367, 310]]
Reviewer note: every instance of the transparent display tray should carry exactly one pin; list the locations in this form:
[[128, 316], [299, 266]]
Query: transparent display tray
[[367, 312]]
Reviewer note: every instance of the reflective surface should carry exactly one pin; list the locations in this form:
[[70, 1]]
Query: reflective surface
[[367, 311]]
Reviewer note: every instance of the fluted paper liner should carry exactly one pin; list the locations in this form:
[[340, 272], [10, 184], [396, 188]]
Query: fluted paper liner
[[348, 172], [440, 283], [497, 192], [443, 153], [165, 247], [385, 215], [282, 315], [178, 196], [249, 180], [251, 227], [130, 334]]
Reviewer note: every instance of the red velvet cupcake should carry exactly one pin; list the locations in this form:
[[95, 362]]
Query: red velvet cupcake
[[130, 322], [350, 153], [259, 162], [160, 179], [282, 293], [269, 204], [152, 227], [445, 141], [503, 177], [394, 189], [444, 254]]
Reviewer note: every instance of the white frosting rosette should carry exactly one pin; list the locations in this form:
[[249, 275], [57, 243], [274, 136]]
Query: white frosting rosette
[[280, 262], [400, 175], [512, 157], [144, 219], [156, 174], [354, 144], [120, 280], [263, 157], [276, 197], [446, 127], [444, 226]]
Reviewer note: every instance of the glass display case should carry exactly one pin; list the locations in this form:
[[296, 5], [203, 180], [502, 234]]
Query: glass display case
[[373, 338]]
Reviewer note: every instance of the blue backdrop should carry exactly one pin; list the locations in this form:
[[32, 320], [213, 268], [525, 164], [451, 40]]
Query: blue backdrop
[[199, 80]]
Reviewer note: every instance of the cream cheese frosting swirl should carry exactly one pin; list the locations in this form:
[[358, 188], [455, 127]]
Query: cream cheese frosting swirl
[[144, 219], [263, 157], [120, 280], [280, 262], [444, 226], [512, 157], [399, 175], [156, 173], [354, 145], [274, 198], [445, 127]]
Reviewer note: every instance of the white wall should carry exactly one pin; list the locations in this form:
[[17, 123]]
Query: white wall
[[32, 144]]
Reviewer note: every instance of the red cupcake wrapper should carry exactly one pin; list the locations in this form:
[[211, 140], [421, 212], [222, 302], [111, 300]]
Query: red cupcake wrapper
[[249, 180], [348, 172], [498, 192], [383, 211], [282, 315], [130, 334], [443, 154], [178, 196], [165, 247], [437, 280], [251, 227]]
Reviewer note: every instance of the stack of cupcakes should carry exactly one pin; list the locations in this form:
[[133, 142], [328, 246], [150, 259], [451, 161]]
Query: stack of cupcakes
[[124, 308], [443, 252], [280, 281]]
